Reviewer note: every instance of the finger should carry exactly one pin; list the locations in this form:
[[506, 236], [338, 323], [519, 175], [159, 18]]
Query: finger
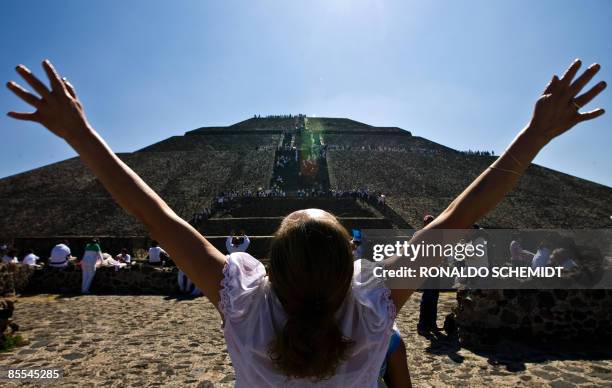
[[591, 114], [22, 116], [31, 79], [585, 98], [69, 88], [54, 78], [570, 73], [584, 78], [23, 94], [551, 85]]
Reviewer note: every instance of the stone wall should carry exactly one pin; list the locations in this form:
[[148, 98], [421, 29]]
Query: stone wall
[[484, 316], [139, 279], [14, 278]]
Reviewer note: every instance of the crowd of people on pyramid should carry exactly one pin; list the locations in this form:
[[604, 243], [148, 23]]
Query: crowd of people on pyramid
[[268, 147], [223, 201], [380, 148], [282, 161], [478, 153], [286, 116]]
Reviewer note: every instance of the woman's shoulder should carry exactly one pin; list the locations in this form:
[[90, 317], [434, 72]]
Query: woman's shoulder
[[371, 297], [244, 265], [364, 278], [244, 281]]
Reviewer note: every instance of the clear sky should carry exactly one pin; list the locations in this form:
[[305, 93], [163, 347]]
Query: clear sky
[[461, 73]]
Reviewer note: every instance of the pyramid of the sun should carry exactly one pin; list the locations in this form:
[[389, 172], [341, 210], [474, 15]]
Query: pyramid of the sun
[[417, 176]]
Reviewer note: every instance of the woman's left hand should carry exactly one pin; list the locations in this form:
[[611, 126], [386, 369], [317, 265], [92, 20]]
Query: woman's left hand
[[558, 109]]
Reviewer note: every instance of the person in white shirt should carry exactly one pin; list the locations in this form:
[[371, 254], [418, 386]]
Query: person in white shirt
[[10, 257], [156, 253], [542, 256], [30, 258], [518, 256], [480, 244], [238, 243], [124, 257], [60, 255]]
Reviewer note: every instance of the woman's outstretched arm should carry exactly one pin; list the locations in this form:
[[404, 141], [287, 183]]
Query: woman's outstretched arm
[[59, 109], [555, 112]]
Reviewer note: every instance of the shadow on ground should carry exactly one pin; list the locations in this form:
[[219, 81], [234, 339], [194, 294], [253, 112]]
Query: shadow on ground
[[515, 354]]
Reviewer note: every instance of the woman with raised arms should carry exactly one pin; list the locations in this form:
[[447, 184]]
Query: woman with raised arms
[[315, 318]]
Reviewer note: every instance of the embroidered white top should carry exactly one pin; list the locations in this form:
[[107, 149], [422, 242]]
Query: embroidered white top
[[252, 314]]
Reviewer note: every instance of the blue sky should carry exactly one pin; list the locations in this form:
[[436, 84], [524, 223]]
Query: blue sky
[[462, 73]]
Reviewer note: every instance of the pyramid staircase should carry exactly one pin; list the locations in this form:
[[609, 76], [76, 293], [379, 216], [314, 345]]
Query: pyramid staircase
[[289, 170], [260, 217], [304, 167]]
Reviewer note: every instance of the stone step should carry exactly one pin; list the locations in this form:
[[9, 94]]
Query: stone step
[[282, 206], [268, 225]]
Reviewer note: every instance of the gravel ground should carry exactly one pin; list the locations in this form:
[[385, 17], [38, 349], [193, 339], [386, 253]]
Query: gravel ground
[[164, 341]]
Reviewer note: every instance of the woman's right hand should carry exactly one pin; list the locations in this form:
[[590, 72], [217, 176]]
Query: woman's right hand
[[58, 109]]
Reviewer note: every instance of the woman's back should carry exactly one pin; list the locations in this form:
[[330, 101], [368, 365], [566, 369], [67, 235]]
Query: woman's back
[[253, 316]]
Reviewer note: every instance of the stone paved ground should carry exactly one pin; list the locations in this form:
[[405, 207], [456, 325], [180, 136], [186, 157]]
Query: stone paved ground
[[161, 341]]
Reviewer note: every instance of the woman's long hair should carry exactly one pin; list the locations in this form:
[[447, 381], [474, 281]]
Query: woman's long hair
[[311, 269]]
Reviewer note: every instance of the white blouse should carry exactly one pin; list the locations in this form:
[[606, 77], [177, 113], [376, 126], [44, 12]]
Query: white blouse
[[252, 314]]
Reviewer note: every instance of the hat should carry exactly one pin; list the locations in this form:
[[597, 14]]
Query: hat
[[428, 218]]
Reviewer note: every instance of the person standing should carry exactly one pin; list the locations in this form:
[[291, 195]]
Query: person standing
[[428, 309], [356, 244], [238, 243], [185, 285], [91, 257]]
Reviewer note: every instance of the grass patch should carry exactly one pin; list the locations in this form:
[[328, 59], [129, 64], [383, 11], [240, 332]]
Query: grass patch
[[11, 341]]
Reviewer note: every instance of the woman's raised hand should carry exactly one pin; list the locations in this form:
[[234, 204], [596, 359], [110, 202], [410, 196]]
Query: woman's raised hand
[[558, 109], [58, 109]]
